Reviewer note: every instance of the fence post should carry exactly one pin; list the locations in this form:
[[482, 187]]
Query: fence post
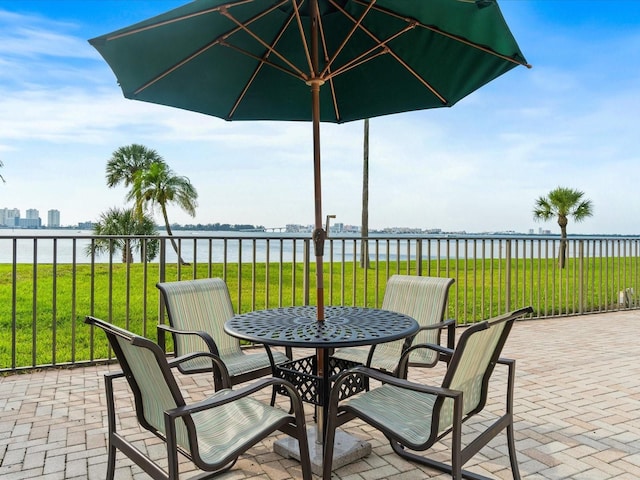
[[419, 257], [507, 276], [581, 277], [162, 275]]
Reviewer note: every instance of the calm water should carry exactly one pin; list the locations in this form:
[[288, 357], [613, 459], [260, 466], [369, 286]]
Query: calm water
[[44, 246]]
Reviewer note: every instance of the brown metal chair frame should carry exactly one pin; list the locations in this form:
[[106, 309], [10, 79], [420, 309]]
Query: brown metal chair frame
[[340, 414], [293, 424], [213, 348]]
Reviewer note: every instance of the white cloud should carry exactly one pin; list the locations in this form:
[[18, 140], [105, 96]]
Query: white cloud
[[478, 166]]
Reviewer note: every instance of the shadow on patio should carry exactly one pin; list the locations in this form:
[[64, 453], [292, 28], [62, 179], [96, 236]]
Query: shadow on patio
[[577, 411]]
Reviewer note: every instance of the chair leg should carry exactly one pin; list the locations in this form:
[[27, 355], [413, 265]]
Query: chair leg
[[111, 422], [329, 440], [511, 442], [111, 462], [456, 454], [303, 444]]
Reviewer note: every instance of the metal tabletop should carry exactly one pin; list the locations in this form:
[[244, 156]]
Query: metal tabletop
[[342, 327]]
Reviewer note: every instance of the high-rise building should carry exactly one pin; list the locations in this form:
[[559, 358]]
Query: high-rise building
[[32, 214], [53, 218], [9, 217]]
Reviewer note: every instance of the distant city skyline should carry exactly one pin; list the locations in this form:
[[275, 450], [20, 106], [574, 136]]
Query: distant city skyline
[[12, 217], [33, 220]]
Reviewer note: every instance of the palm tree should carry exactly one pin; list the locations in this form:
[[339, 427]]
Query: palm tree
[[563, 203], [127, 161], [122, 223], [159, 186]]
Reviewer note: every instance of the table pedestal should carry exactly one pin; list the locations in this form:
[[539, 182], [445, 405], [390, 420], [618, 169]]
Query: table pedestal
[[347, 449]]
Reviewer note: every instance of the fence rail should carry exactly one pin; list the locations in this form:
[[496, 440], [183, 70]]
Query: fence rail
[[49, 283]]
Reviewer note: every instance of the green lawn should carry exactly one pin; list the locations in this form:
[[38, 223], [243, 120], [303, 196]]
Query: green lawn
[[50, 306]]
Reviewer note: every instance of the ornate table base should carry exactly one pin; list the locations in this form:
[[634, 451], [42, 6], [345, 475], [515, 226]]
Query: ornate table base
[[347, 449]]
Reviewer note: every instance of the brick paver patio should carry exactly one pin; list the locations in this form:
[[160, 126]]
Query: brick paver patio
[[577, 415]]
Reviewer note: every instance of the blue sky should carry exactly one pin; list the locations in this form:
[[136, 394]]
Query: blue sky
[[571, 120]]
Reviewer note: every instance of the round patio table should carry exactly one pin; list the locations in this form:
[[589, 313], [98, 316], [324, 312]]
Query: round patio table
[[343, 327]]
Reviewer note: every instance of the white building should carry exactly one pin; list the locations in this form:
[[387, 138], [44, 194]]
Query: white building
[[9, 217], [53, 219]]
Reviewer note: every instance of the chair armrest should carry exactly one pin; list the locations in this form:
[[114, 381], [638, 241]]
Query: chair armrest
[[450, 324], [112, 375], [443, 351], [226, 396], [444, 355], [385, 378], [443, 324], [511, 380], [217, 365], [505, 361], [208, 339]]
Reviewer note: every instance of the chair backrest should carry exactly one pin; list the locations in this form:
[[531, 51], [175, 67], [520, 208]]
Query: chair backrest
[[200, 305], [472, 364], [152, 383], [425, 300]]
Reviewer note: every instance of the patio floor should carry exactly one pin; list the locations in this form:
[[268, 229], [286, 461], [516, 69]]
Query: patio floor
[[577, 411]]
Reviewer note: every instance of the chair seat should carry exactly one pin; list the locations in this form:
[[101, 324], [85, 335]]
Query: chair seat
[[405, 412], [237, 363], [360, 355], [425, 300], [227, 428]]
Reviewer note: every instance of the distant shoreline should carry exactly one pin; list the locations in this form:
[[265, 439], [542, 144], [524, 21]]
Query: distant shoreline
[[180, 231]]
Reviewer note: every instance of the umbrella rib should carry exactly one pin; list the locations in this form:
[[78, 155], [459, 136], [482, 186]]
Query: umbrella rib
[[356, 62], [300, 75], [220, 40], [177, 66], [325, 52], [382, 44], [355, 27], [369, 55], [270, 49], [263, 61], [449, 35], [303, 38], [174, 20]]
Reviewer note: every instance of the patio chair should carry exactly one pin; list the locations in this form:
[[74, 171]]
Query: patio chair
[[197, 311], [415, 416], [212, 433], [425, 300]]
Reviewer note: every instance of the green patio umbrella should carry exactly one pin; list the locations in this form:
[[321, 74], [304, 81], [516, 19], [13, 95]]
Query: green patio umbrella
[[312, 60]]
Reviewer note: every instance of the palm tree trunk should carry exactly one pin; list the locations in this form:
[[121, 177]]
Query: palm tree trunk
[[364, 230], [168, 227], [127, 254], [562, 254]]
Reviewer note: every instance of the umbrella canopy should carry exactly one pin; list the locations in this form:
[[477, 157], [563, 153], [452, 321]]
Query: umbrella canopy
[[312, 60]]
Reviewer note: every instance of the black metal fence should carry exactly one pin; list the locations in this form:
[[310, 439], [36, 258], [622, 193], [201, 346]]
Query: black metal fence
[[49, 282]]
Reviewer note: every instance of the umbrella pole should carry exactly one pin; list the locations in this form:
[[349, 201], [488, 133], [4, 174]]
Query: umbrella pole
[[319, 234], [318, 239]]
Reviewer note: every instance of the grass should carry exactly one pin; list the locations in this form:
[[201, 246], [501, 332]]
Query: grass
[[46, 321]]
